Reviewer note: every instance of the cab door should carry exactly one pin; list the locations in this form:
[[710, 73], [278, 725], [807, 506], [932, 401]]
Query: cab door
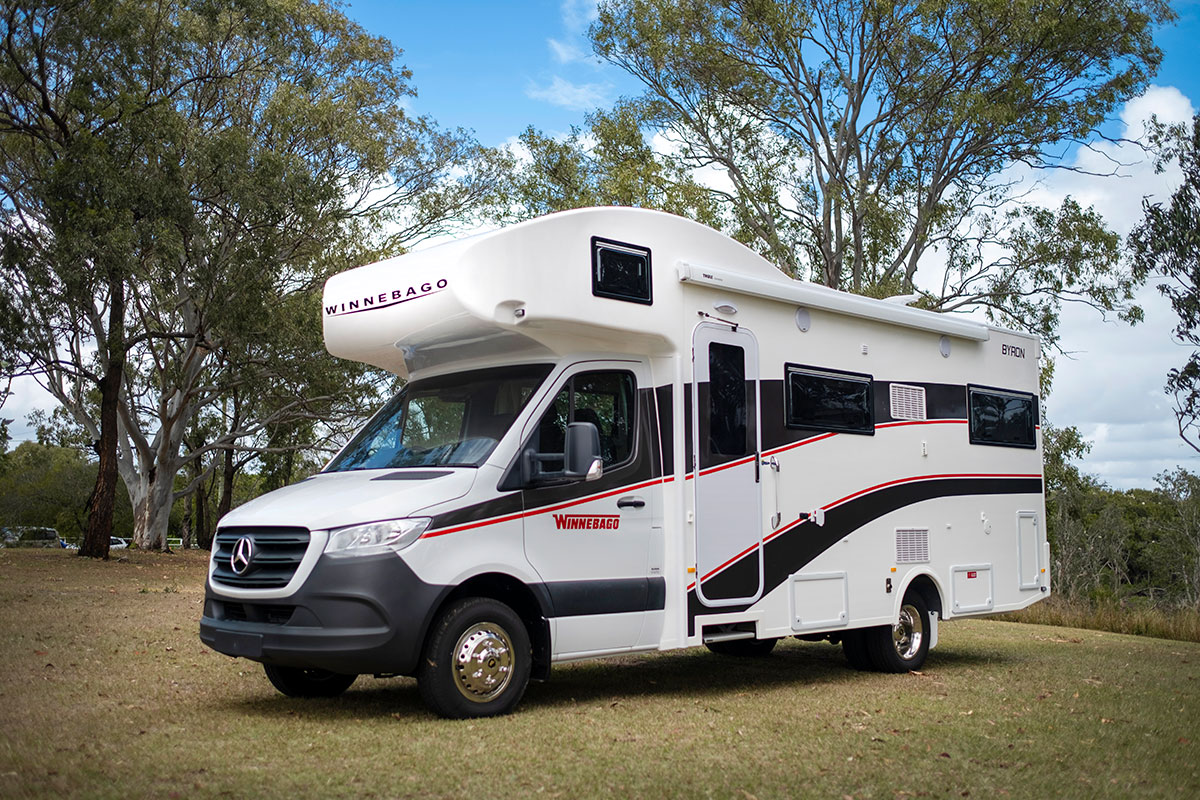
[[590, 540]]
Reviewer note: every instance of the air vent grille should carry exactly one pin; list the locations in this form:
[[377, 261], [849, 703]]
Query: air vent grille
[[912, 545], [908, 402]]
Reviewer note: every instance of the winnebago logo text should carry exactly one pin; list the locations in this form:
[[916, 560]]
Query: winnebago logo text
[[587, 522], [392, 297]]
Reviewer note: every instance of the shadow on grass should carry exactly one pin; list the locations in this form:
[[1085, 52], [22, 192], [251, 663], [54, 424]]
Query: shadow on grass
[[694, 673]]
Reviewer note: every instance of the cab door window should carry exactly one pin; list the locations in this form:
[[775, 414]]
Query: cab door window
[[605, 399]]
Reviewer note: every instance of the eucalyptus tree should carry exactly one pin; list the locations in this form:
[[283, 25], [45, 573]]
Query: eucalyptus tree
[[177, 178], [857, 137], [610, 162]]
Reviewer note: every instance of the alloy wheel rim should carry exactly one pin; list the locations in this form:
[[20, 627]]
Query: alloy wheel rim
[[908, 632]]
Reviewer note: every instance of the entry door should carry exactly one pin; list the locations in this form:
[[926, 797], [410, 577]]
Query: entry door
[[726, 481]]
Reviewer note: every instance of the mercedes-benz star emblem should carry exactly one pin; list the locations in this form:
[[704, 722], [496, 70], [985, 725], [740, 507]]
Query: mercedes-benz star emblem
[[243, 554]]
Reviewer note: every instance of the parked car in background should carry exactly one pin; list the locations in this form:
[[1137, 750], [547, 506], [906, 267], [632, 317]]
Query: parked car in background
[[29, 536], [117, 543]]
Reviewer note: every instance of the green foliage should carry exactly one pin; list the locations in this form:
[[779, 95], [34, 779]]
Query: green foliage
[[857, 138], [1166, 246], [48, 486], [611, 163], [1132, 548], [178, 179]]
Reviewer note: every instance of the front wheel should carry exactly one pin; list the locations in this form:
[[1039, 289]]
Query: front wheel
[[903, 646], [477, 660], [296, 682]]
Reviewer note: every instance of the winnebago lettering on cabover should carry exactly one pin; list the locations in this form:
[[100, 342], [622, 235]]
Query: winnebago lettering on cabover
[[622, 431]]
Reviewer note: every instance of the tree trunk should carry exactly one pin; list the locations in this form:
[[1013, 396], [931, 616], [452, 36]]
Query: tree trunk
[[152, 515], [186, 540], [100, 503], [227, 475], [203, 536]]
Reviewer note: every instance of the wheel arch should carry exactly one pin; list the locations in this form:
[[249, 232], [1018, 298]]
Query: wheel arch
[[925, 584], [530, 605]]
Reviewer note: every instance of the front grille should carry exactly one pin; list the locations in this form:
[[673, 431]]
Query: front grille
[[277, 554]]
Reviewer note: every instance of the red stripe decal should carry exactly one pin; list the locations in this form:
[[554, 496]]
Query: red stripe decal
[[745, 552], [915, 479], [548, 509]]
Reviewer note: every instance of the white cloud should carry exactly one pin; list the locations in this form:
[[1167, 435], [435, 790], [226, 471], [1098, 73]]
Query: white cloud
[[571, 96], [578, 14], [26, 398], [564, 52], [1112, 387]]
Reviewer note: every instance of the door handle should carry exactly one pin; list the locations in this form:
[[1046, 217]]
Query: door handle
[[632, 501]]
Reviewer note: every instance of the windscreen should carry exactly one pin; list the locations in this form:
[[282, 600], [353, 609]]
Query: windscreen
[[448, 421]]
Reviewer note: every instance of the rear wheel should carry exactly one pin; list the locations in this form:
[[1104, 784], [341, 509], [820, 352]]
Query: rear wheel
[[296, 682], [743, 648], [477, 660], [903, 646]]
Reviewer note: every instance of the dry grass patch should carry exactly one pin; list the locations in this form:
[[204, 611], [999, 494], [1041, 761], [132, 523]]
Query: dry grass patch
[[1182, 624], [106, 691]]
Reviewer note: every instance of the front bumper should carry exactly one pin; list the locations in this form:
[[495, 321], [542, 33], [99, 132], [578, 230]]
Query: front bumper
[[359, 615]]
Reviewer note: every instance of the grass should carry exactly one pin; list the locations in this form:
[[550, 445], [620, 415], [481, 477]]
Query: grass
[[1144, 620], [106, 691]]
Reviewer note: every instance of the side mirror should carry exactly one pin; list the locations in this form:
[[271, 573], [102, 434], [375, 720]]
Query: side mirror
[[582, 457]]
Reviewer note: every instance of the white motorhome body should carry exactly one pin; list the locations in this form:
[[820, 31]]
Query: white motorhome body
[[625, 431]]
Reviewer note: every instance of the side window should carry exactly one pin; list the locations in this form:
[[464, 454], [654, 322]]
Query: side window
[[997, 417], [829, 400], [605, 399]]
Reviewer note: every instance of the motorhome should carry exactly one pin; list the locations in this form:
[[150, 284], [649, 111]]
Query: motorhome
[[622, 431]]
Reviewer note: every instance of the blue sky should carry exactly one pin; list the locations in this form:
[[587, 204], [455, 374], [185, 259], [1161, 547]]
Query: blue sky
[[497, 67]]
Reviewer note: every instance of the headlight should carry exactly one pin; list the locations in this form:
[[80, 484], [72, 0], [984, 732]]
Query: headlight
[[390, 535]]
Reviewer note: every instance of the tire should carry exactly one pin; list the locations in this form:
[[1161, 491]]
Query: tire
[[743, 648], [296, 682], [490, 637], [903, 646], [854, 645]]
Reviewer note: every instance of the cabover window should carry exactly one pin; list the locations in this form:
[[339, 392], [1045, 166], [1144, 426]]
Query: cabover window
[[829, 400], [621, 271], [1002, 418]]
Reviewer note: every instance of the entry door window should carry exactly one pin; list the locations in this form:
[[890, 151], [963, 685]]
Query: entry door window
[[727, 400]]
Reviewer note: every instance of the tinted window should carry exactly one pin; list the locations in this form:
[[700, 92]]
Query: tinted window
[[726, 400], [1002, 418], [450, 420], [605, 399], [829, 401], [621, 271]]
